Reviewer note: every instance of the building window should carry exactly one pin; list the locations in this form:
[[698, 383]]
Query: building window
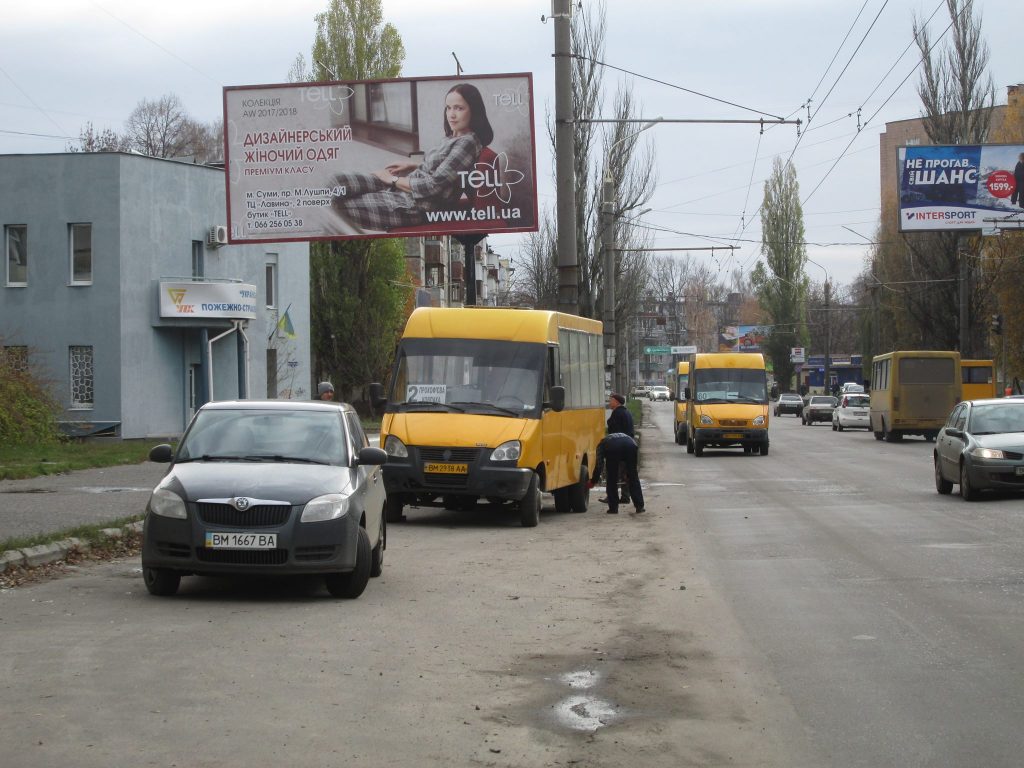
[[14, 359], [16, 237], [271, 280], [198, 260], [81, 367], [80, 243]]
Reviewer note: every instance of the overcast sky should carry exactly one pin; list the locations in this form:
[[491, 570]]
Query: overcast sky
[[64, 63]]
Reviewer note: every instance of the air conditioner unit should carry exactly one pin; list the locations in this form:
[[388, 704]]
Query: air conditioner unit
[[217, 236]]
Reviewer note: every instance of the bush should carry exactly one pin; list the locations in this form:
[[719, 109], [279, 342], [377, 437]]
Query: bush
[[29, 412]]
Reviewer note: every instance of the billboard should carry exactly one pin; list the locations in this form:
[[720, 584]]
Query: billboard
[[953, 187], [380, 158], [743, 338]]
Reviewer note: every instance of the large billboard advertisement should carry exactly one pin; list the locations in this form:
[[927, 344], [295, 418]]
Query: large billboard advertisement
[[380, 158], [951, 187]]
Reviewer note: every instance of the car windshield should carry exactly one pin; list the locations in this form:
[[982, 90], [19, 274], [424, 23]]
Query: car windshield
[[309, 437], [822, 401], [501, 378], [857, 401], [997, 419], [792, 398]]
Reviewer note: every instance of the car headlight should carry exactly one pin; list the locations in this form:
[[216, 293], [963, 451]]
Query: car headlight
[[507, 451], [329, 507], [167, 504], [395, 447], [758, 421], [986, 453], [706, 420]]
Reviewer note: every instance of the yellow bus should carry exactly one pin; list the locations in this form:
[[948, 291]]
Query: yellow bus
[[727, 402], [682, 381], [913, 393], [493, 403], [978, 379]]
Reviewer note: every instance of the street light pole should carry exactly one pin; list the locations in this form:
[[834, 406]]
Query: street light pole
[[565, 154], [828, 329]]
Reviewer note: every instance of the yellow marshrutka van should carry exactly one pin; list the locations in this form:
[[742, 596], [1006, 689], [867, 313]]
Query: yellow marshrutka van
[[492, 403], [681, 383], [727, 402]]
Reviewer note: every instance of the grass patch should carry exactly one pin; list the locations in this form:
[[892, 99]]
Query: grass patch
[[90, 533], [18, 462]]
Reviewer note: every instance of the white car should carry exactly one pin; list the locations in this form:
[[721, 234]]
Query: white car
[[851, 388], [659, 393], [854, 410]]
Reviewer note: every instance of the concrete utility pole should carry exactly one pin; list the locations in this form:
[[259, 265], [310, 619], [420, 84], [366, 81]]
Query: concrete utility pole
[[608, 244], [565, 158], [828, 339]]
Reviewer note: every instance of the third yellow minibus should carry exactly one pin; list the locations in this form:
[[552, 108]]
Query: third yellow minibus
[[913, 393]]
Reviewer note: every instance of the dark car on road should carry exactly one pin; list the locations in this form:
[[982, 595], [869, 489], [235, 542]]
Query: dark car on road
[[268, 487], [789, 402], [981, 447], [818, 408]]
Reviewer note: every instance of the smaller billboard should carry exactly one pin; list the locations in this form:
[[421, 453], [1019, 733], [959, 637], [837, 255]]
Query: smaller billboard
[[380, 158], [234, 301], [743, 338], [956, 187]]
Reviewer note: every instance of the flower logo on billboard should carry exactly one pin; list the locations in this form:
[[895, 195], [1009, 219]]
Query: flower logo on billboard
[[500, 178]]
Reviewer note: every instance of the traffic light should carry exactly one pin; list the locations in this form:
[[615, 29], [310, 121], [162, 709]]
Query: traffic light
[[997, 324]]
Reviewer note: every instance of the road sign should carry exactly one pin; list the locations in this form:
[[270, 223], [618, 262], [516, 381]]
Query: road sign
[[686, 350], [797, 354], [657, 350]]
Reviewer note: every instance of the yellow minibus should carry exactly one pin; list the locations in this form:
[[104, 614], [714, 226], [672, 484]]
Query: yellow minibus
[[978, 379], [492, 403], [727, 402], [682, 381], [913, 393]]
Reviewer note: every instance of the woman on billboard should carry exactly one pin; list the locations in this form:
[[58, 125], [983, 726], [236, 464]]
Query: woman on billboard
[[401, 193]]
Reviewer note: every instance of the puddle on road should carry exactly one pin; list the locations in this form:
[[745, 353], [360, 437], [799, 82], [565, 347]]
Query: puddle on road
[[584, 712]]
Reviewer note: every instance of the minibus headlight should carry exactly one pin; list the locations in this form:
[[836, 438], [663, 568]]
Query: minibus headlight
[[706, 420], [395, 447], [507, 451], [759, 421]]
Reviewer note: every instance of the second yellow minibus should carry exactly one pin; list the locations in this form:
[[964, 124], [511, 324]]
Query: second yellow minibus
[[727, 402], [682, 381], [493, 403]]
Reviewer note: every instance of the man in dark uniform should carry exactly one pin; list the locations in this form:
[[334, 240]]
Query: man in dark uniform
[[620, 420]]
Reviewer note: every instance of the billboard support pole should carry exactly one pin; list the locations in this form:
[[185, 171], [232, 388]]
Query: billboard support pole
[[565, 161], [963, 295], [469, 243]]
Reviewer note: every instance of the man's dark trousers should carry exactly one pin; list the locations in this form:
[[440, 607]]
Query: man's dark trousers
[[621, 450]]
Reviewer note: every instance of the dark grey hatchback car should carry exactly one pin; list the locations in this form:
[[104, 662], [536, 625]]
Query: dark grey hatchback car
[[268, 487]]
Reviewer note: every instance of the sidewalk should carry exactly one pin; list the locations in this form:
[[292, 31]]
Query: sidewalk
[[54, 503]]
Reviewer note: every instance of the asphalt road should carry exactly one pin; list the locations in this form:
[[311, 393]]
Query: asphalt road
[[820, 606]]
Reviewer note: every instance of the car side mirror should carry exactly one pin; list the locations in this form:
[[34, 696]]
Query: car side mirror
[[377, 398], [371, 457], [557, 402], [162, 453], [954, 432]]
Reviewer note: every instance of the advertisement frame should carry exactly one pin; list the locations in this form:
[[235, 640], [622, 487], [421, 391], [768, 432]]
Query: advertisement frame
[[955, 187], [306, 162]]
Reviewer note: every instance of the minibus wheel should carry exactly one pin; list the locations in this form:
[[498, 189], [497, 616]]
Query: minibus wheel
[[579, 494], [529, 505]]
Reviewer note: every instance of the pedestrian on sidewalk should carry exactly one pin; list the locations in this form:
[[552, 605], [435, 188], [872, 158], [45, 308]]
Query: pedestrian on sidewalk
[[620, 420]]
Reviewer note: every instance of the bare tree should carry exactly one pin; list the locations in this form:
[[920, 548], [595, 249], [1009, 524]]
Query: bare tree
[[158, 128], [957, 97]]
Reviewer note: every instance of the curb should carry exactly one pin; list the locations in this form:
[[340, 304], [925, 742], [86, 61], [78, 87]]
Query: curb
[[31, 557]]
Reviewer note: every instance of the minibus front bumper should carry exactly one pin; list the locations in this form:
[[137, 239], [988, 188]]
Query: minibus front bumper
[[482, 478], [730, 436]]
